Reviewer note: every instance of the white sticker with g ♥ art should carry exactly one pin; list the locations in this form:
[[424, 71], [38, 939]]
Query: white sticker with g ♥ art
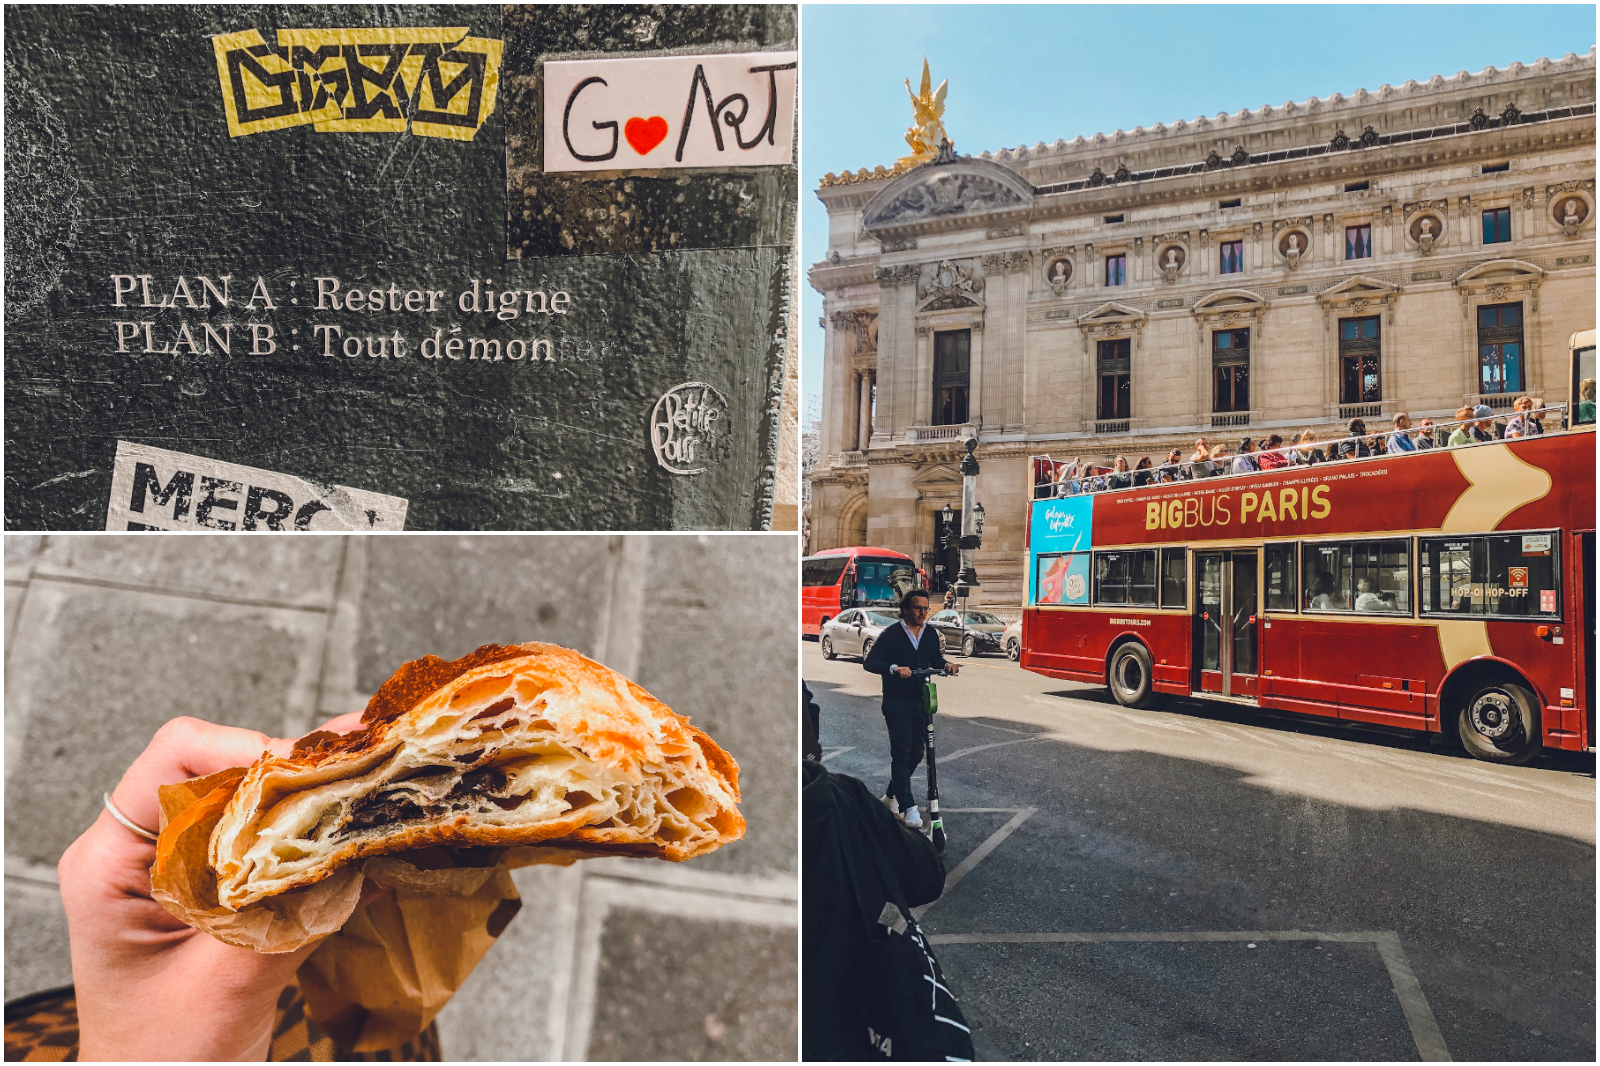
[[659, 112]]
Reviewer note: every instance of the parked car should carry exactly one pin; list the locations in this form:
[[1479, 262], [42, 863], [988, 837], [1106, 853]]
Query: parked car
[[854, 631], [971, 634], [1011, 640]]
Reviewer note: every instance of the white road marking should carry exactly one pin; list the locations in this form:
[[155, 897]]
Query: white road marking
[[981, 852], [953, 756], [837, 751], [1407, 989]]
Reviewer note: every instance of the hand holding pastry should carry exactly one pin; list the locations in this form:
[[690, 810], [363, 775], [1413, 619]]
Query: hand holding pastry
[[149, 986]]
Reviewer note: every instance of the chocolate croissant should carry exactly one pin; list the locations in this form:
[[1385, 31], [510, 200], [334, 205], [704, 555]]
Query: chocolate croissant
[[516, 745]]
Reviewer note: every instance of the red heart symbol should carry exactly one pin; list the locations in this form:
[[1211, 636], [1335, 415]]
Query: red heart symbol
[[645, 133]]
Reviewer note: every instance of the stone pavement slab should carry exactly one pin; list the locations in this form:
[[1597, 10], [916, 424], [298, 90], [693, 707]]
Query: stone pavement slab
[[513, 1006], [446, 596], [108, 667], [37, 954], [718, 646], [292, 571], [675, 988]]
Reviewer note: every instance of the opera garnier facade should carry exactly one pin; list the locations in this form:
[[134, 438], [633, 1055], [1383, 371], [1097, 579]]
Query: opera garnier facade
[[1411, 249]]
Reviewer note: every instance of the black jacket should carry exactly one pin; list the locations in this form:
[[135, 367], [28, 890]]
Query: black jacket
[[893, 648], [1351, 449], [842, 821]]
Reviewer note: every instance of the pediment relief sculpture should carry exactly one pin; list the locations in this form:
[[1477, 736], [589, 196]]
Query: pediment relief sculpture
[[1111, 316], [950, 284], [938, 475], [1497, 280], [943, 193], [1359, 287], [1230, 306]]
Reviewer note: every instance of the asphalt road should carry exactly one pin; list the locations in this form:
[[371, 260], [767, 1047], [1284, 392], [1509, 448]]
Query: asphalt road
[[1202, 881]]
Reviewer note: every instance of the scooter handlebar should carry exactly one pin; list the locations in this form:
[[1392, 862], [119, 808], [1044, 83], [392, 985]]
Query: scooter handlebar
[[930, 672]]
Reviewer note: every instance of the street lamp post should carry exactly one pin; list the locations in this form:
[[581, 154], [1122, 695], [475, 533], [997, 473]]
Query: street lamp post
[[971, 537]]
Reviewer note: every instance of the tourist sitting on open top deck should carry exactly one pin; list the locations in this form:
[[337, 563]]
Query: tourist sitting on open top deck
[[1306, 452], [1400, 440], [1142, 472], [1067, 479], [1172, 469], [1273, 456], [1425, 438], [1462, 433], [1483, 428], [1354, 446], [1121, 477], [1245, 462]]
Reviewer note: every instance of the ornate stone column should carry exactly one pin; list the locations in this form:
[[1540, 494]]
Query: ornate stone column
[[864, 422], [975, 377]]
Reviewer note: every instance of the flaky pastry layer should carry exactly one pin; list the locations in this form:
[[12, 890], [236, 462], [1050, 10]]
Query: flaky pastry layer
[[533, 745]]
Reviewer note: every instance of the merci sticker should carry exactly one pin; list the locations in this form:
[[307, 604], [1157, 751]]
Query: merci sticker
[[661, 112]]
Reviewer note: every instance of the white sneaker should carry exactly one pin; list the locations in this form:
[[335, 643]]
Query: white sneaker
[[913, 820], [893, 804]]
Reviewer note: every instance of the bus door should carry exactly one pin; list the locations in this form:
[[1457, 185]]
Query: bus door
[[1225, 623]]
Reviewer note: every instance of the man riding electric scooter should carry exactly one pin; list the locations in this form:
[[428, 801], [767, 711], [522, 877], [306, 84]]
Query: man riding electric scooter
[[900, 650]]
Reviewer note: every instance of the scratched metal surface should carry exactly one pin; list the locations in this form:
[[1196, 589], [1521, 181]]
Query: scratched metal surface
[[115, 131]]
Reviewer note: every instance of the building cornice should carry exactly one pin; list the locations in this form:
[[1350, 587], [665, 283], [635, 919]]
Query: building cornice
[[1488, 88]]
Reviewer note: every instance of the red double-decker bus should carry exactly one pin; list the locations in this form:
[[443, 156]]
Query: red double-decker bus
[[838, 579], [1449, 589]]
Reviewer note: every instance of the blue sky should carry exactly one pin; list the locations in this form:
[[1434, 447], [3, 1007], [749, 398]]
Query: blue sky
[[1023, 74]]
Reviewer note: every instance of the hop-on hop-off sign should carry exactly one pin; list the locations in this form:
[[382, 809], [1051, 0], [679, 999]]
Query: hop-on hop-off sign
[[309, 277]]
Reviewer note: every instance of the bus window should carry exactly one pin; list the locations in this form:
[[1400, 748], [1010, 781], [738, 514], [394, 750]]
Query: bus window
[[1325, 576], [1381, 571], [1174, 577], [1366, 576], [1281, 585], [1515, 576], [884, 581], [1583, 384], [825, 570], [1125, 577]]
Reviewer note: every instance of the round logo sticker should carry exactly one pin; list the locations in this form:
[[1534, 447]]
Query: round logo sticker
[[689, 428]]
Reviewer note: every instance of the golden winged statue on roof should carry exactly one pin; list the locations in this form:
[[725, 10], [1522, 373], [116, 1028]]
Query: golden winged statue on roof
[[927, 130]]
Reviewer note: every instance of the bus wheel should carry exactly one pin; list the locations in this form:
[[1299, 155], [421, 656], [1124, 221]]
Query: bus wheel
[[1131, 676], [827, 647], [1500, 723]]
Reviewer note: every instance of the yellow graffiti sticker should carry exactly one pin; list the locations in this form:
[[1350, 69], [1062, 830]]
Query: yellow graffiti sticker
[[436, 81]]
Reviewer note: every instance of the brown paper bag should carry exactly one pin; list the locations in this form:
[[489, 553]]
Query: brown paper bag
[[425, 919]]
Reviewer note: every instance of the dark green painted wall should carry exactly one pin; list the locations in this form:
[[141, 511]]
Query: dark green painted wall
[[118, 161]]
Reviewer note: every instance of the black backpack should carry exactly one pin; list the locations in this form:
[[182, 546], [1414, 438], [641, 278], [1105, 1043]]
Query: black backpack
[[909, 1012]]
